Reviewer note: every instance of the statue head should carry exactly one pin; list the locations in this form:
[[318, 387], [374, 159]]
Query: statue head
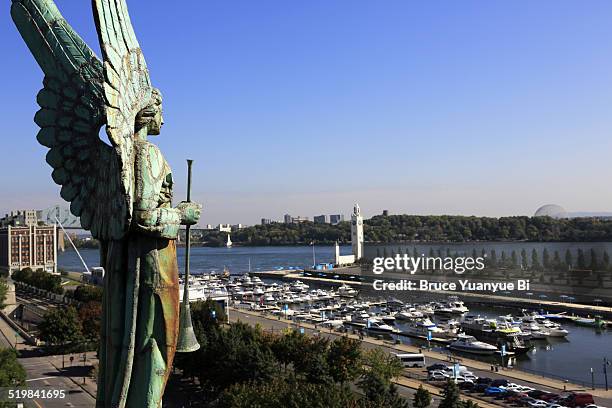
[[151, 115]]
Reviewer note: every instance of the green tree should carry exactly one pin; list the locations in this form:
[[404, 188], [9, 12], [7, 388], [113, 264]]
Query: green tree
[[290, 392], [90, 317], [568, 259], [594, 266], [12, 373], [605, 261], [581, 260], [422, 398], [535, 260], [376, 378], [61, 330], [524, 261], [344, 359], [493, 259], [3, 292], [556, 263], [546, 259], [469, 404], [450, 396], [514, 259]]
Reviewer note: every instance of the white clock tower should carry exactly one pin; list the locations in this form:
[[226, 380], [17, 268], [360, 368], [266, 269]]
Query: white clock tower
[[357, 232]]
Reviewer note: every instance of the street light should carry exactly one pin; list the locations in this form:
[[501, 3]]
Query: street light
[[606, 363]]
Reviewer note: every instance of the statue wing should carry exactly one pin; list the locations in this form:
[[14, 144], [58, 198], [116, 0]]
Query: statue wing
[[127, 87], [95, 177]]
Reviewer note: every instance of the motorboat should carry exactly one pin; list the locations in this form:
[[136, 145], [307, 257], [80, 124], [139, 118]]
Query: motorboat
[[375, 325], [469, 344], [346, 291]]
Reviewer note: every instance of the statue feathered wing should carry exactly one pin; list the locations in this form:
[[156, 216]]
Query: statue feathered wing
[[80, 95]]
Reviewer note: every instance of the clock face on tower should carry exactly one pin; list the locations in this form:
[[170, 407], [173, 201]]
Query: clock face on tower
[[360, 222]]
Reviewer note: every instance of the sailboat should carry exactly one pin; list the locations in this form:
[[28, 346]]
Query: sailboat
[[229, 242]]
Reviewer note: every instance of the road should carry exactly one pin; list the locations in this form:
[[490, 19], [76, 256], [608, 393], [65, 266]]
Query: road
[[545, 385]]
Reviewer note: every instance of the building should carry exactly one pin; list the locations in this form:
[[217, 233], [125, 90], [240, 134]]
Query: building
[[288, 219], [357, 238], [237, 227], [19, 218], [320, 219], [224, 228], [56, 213], [336, 219], [266, 221], [32, 247]]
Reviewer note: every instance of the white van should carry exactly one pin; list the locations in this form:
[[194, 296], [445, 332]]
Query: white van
[[411, 360]]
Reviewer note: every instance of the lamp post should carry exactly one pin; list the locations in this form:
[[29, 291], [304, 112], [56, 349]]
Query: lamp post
[[606, 363], [592, 378]]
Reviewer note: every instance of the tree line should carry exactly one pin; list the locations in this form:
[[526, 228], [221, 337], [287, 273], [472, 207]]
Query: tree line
[[421, 228], [39, 279]]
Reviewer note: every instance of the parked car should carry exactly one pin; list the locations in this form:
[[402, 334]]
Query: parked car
[[554, 405], [524, 402], [538, 404], [577, 399], [484, 380], [481, 387], [437, 376], [493, 391], [500, 382], [436, 367], [537, 394], [549, 397], [516, 397], [467, 386]]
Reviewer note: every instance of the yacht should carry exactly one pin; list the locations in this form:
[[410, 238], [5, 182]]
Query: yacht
[[375, 325], [469, 344], [346, 291], [229, 242]]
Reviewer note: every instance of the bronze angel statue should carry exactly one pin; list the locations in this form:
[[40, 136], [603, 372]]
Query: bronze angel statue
[[122, 193]]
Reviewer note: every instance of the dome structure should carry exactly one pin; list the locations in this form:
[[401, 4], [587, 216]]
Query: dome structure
[[551, 210]]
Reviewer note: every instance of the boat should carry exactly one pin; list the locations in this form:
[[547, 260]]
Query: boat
[[375, 325], [346, 291], [591, 322], [469, 344], [228, 243]]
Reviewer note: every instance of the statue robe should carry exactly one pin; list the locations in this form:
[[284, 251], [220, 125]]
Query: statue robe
[[141, 301]]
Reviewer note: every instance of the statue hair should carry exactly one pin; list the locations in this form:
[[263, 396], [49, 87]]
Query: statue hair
[[146, 115]]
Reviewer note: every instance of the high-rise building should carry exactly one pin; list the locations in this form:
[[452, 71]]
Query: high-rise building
[[335, 219], [357, 238], [320, 219], [19, 218], [266, 221], [32, 247], [288, 219]]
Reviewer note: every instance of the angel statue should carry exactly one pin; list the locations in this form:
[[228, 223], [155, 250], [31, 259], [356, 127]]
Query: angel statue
[[121, 192]]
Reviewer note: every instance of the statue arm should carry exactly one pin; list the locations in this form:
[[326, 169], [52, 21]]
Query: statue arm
[[150, 217]]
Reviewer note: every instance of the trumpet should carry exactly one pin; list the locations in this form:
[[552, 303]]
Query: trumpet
[[187, 341]]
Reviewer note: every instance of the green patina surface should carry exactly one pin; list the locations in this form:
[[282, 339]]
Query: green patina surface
[[122, 193]]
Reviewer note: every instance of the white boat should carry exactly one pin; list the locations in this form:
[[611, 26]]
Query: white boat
[[469, 344], [375, 325], [346, 291], [229, 242]]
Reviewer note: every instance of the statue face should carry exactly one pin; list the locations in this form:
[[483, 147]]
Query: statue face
[[156, 123]]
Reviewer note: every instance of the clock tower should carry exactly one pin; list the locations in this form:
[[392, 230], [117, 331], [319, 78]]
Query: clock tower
[[357, 232]]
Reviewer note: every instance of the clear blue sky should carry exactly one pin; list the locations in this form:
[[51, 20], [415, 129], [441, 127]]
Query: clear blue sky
[[481, 107]]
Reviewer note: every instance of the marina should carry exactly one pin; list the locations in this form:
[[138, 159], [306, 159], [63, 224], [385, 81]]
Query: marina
[[316, 300]]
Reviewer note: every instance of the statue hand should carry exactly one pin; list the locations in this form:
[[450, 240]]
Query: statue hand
[[190, 212]]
